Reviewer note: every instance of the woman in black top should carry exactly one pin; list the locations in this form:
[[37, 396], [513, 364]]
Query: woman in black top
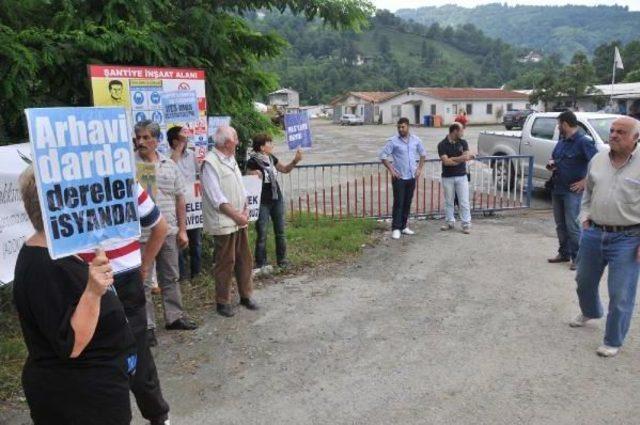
[[81, 349], [266, 165]]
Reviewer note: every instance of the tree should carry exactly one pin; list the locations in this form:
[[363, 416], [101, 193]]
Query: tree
[[546, 88], [633, 76], [45, 46], [384, 46], [577, 78]]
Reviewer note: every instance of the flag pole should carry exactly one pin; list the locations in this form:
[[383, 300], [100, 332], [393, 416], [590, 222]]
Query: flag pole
[[613, 79]]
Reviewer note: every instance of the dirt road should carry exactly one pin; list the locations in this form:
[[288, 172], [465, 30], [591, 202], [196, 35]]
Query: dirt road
[[440, 328]]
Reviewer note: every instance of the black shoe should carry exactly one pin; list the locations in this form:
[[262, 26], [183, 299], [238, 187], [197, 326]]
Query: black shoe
[[249, 304], [182, 324], [284, 264], [151, 338], [160, 421], [225, 310], [559, 259]]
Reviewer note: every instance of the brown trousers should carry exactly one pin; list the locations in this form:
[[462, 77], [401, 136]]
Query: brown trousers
[[233, 257]]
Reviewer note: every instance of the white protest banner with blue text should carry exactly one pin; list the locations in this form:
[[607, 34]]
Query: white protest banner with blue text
[[180, 106], [298, 131], [253, 189], [85, 172]]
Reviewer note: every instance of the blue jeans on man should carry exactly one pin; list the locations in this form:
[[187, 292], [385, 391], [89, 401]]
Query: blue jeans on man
[[618, 251], [458, 185], [566, 208], [194, 252], [275, 211]]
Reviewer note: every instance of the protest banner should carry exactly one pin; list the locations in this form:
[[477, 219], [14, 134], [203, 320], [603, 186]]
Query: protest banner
[[193, 202], [146, 175], [15, 226], [84, 166], [253, 187], [180, 106], [297, 130], [139, 89]]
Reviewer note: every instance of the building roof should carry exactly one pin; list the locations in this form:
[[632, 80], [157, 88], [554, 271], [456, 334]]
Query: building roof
[[449, 93], [619, 89], [368, 96], [283, 91]]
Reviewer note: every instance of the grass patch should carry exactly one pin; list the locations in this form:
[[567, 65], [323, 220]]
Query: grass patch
[[310, 243], [13, 352]]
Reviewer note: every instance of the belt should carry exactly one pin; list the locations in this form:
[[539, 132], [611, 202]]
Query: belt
[[614, 229]]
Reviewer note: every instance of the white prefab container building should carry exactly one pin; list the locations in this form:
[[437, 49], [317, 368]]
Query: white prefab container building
[[483, 106], [362, 104]]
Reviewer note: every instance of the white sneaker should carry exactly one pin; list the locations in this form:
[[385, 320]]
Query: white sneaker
[[407, 231], [606, 351], [579, 321], [466, 229], [395, 234], [446, 226]]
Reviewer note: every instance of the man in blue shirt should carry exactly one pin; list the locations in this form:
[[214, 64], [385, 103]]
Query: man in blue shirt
[[569, 162], [405, 149]]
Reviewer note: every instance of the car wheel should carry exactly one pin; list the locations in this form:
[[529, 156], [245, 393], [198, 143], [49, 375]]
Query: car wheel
[[503, 174]]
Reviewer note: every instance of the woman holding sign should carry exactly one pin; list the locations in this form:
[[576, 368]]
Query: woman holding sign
[[264, 164], [81, 349]]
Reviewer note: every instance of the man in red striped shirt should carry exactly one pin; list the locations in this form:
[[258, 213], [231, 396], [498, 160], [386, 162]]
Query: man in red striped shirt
[[130, 267]]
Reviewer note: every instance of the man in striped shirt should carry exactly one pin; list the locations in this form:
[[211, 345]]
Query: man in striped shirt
[[130, 267]]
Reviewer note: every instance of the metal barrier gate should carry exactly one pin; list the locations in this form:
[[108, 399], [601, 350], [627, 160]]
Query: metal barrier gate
[[363, 189]]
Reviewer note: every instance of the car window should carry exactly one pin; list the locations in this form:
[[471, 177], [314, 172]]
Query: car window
[[544, 128], [602, 127]]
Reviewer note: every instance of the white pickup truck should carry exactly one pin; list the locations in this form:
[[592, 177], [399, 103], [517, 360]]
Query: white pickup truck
[[539, 136]]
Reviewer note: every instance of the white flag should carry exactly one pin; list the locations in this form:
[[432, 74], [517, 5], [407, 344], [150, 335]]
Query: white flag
[[617, 60]]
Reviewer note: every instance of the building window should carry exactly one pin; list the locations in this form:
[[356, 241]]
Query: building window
[[489, 108], [433, 109], [396, 110], [509, 106], [469, 108], [455, 109], [376, 111]]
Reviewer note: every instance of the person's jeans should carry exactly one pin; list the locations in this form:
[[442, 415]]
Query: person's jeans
[[566, 208], [194, 253], [402, 197], [599, 249], [275, 211], [459, 186]]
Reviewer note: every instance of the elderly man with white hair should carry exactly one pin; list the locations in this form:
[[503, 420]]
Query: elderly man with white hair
[[226, 217], [610, 217]]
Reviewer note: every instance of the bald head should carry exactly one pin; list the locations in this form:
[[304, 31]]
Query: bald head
[[623, 135]]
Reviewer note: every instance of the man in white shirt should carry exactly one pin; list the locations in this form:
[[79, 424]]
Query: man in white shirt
[[226, 217]]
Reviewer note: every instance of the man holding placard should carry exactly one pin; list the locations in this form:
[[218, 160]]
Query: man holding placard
[[170, 201], [226, 216]]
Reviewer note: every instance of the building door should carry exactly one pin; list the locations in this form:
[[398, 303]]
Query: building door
[[416, 112]]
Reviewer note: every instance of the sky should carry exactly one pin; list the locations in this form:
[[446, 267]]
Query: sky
[[393, 5]]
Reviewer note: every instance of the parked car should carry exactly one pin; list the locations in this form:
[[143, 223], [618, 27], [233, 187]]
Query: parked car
[[351, 119], [515, 118], [538, 138]]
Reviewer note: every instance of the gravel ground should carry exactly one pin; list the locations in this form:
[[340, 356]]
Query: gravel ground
[[438, 328]]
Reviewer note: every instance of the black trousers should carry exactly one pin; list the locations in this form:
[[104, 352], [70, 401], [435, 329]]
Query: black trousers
[[402, 197], [145, 384]]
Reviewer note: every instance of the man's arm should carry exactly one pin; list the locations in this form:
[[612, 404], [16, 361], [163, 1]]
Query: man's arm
[[585, 205], [384, 153], [211, 186], [152, 247], [181, 216]]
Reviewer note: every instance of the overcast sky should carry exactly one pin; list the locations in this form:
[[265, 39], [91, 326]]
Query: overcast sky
[[401, 4]]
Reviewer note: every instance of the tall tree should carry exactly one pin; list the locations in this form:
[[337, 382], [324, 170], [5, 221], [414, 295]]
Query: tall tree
[[45, 46], [577, 78]]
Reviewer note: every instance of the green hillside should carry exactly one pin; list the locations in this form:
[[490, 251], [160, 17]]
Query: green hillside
[[389, 55], [549, 29]]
